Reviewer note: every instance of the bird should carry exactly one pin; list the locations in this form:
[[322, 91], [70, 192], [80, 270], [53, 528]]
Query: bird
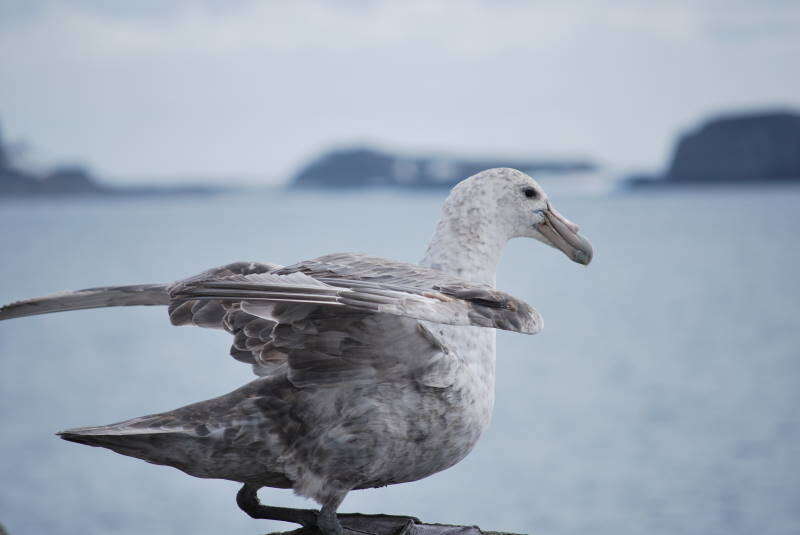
[[371, 372]]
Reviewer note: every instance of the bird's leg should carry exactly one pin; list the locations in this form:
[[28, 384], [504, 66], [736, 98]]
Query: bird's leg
[[327, 523], [247, 500]]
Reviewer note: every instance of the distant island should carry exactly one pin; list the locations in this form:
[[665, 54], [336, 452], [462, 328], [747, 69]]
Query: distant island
[[735, 148], [75, 180], [364, 167]]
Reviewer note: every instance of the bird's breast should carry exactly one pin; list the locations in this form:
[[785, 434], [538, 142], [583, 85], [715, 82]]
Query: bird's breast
[[446, 423]]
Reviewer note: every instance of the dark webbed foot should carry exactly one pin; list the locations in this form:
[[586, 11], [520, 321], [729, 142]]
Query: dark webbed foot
[[247, 500], [325, 521]]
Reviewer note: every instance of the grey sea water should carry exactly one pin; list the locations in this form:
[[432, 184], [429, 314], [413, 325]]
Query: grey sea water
[[663, 396]]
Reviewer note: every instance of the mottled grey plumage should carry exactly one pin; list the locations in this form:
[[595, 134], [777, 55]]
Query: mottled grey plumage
[[373, 372], [338, 305]]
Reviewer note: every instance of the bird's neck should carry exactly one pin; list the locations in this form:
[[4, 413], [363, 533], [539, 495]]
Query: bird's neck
[[466, 245]]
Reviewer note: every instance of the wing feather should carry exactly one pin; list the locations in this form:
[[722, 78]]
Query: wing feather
[[446, 300], [344, 317]]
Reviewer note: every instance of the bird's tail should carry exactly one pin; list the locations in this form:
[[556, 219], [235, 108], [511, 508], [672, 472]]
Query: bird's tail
[[152, 443], [187, 449], [124, 437], [230, 437], [107, 296]]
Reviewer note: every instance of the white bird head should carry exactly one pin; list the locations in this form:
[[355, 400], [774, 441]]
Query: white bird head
[[516, 206]]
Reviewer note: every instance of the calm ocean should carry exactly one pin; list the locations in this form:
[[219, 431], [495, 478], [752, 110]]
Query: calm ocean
[[663, 396]]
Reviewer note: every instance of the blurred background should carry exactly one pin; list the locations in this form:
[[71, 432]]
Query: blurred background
[[148, 141]]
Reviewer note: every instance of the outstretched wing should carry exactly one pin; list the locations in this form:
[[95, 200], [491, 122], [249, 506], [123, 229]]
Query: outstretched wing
[[421, 293], [331, 319], [342, 317], [359, 283]]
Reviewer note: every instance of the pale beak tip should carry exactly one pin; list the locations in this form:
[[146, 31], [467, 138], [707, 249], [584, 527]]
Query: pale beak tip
[[583, 257], [583, 252]]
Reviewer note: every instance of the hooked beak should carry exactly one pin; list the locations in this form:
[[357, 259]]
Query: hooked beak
[[562, 234]]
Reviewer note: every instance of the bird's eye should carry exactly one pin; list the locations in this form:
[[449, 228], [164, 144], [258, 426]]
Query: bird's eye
[[530, 193]]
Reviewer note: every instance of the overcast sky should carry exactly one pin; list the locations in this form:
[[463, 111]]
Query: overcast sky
[[151, 90]]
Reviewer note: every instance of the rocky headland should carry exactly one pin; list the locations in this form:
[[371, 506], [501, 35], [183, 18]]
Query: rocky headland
[[741, 148], [360, 167], [75, 180]]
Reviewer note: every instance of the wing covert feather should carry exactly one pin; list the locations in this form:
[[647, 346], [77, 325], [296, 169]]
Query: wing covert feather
[[371, 285], [343, 317]]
